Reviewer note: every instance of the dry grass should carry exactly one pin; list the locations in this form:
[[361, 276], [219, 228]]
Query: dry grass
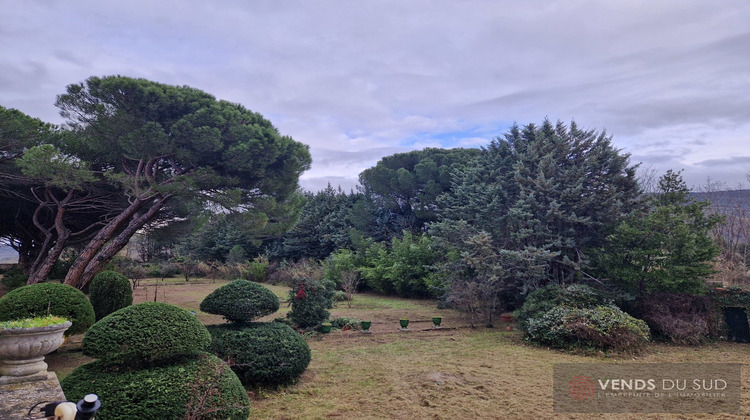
[[455, 372]]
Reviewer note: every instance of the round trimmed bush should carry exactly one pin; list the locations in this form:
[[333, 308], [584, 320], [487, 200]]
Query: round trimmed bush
[[149, 333], [109, 292], [162, 392], [241, 301], [44, 299], [263, 353], [601, 327]]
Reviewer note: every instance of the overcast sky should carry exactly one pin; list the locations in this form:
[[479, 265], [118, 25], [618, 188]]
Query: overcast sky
[[359, 80]]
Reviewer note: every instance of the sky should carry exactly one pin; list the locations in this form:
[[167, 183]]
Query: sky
[[360, 80]]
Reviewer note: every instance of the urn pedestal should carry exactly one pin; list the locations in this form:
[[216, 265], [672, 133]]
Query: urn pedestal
[[22, 351]]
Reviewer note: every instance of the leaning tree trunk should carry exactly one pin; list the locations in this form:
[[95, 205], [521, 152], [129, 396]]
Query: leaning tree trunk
[[47, 257], [110, 240], [99, 240]]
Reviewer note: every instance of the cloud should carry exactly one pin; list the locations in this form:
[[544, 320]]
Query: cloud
[[737, 161], [358, 80]]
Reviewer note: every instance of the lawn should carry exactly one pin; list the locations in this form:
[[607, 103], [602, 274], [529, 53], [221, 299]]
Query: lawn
[[454, 372]]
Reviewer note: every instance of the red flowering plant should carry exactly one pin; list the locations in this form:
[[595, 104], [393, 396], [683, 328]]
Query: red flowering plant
[[310, 300]]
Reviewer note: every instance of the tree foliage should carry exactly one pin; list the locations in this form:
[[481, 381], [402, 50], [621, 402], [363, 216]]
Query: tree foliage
[[152, 145], [322, 228], [400, 192], [530, 209], [667, 247]]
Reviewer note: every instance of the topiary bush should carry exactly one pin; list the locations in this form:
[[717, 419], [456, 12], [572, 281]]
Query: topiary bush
[[109, 292], [601, 327], [311, 300], [201, 387], [241, 301], [49, 299], [261, 353], [14, 278], [147, 333]]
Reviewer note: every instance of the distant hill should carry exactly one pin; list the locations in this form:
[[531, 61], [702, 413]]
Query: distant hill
[[726, 201], [8, 255]]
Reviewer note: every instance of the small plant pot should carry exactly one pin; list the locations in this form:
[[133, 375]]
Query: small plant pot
[[325, 327], [437, 320], [365, 326], [507, 317], [404, 323]]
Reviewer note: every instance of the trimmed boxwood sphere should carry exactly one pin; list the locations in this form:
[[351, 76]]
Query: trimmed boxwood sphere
[[263, 353], [108, 292], [241, 301], [162, 392], [44, 299], [151, 332]]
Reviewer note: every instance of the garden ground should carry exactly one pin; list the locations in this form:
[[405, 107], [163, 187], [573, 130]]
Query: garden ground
[[455, 372]]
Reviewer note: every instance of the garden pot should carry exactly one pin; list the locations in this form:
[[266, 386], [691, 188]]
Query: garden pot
[[325, 328], [365, 326], [22, 351], [437, 320], [507, 317], [404, 323]]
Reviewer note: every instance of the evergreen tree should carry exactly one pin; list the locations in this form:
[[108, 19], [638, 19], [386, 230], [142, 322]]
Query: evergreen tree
[[323, 226], [538, 199], [666, 247]]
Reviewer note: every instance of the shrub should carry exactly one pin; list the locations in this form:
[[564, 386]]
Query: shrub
[[601, 327], [545, 298], [310, 300], [339, 296], [163, 392], [109, 292], [289, 274], [14, 278], [344, 323], [147, 333], [49, 299], [261, 353], [680, 318], [241, 301], [257, 270]]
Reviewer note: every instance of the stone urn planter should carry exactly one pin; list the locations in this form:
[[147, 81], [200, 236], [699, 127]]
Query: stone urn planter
[[404, 323], [22, 351], [437, 320]]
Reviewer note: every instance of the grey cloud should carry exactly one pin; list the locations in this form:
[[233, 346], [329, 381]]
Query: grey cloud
[[736, 161], [666, 80]]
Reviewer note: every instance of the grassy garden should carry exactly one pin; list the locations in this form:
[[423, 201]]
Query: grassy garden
[[453, 372]]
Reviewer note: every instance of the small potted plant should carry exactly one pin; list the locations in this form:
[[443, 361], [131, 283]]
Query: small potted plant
[[365, 326], [325, 327], [23, 345], [437, 320], [404, 323]]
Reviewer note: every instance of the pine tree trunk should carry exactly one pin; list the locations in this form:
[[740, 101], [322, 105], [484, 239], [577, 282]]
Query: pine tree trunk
[[97, 257], [89, 252]]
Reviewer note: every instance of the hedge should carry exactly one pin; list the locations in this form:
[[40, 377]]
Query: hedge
[[162, 392], [109, 292], [241, 301], [268, 354], [147, 333], [44, 299]]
